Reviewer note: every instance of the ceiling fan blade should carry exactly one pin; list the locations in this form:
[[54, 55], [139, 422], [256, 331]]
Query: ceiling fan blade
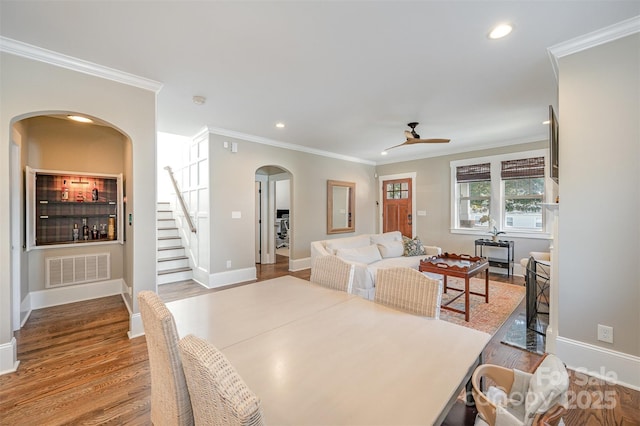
[[395, 146], [433, 140], [413, 141]]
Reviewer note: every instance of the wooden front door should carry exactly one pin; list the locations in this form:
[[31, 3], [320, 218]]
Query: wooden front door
[[396, 206]]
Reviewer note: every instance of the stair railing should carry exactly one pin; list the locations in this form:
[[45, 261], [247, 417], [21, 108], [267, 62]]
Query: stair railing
[[181, 200]]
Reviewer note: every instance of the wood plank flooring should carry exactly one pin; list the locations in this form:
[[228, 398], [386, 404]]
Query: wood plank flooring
[[77, 366]]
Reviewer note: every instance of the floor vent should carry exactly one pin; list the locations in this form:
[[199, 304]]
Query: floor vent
[[68, 270]]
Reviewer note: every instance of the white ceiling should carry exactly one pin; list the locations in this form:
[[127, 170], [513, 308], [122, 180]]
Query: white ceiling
[[344, 76]]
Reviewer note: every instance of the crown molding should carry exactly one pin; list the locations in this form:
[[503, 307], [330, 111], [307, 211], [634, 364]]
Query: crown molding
[[271, 142], [592, 39], [36, 53]]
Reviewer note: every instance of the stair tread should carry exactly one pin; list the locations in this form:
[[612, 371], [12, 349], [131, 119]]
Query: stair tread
[[171, 271], [167, 228], [166, 259], [170, 248]]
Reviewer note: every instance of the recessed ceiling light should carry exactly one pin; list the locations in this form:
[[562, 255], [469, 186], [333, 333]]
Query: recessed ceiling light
[[280, 125], [500, 31], [79, 119], [383, 153], [199, 100], [546, 122]]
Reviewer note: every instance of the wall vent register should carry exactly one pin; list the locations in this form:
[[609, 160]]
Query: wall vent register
[[68, 270]]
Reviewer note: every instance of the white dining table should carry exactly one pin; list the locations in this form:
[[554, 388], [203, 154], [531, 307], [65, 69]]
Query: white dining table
[[316, 356]]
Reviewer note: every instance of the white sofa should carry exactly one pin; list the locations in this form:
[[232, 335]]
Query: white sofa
[[368, 253]]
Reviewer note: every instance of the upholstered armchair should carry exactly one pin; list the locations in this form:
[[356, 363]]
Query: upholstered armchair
[[537, 255]]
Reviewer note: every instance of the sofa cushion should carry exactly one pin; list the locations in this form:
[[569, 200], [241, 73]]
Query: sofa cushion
[[413, 247], [367, 254], [333, 246], [391, 249], [387, 237]]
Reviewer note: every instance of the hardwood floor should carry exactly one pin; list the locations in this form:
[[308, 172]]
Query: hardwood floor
[[77, 366]]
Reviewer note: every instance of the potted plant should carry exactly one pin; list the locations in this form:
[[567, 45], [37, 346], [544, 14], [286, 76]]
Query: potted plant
[[491, 224]]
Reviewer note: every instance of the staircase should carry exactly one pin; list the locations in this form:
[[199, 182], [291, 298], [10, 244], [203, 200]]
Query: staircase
[[173, 264]]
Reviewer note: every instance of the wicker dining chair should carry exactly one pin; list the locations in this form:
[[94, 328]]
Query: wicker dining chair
[[218, 393], [409, 290], [170, 401], [332, 272]]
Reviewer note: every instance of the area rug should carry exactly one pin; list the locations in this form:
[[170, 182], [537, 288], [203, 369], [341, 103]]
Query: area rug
[[488, 317]]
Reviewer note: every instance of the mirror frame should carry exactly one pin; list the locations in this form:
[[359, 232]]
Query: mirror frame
[[352, 206]]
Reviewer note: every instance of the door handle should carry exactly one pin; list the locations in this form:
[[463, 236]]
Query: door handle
[[410, 219]]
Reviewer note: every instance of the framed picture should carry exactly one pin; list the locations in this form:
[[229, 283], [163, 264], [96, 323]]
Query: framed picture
[[553, 145]]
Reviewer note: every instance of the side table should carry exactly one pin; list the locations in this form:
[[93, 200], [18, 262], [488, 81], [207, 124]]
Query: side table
[[498, 262]]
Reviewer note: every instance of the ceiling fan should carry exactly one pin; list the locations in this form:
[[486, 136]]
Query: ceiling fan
[[413, 137]]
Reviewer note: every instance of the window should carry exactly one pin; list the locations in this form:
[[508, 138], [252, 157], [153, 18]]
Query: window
[[397, 191], [523, 182], [474, 193], [506, 191]]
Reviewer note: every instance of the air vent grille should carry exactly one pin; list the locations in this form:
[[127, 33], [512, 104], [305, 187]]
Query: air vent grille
[[69, 270]]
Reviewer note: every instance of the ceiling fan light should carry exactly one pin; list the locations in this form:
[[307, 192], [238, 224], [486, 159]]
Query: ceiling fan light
[[499, 31]]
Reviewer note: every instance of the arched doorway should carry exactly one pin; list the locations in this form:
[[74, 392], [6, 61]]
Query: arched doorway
[[51, 140], [273, 215]]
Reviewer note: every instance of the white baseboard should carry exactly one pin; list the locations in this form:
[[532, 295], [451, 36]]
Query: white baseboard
[[200, 275], [220, 279], [9, 357], [299, 264], [606, 364], [74, 293], [135, 326], [25, 309]]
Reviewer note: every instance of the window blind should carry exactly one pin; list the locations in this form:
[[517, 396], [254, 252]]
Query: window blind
[[473, 172], [523, 168]]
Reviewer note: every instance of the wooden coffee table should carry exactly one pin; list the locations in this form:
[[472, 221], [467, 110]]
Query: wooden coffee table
[[460, 266]]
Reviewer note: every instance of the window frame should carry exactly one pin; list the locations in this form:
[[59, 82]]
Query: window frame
[[497, 200]]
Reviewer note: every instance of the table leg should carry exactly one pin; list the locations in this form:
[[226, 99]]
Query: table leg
[[466, 298], [444, 281], [486, 286]]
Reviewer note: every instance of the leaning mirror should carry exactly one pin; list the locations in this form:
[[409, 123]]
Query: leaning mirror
[[341, 207]]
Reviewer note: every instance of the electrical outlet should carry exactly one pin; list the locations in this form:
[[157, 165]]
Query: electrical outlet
[[605, 333], [228, 264]]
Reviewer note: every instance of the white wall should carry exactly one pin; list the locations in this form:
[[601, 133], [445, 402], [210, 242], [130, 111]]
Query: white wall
[[599, 227], [30, 87], [233, 190]]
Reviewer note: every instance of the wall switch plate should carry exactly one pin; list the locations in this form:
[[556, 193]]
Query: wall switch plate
[[236, 215], [228, 264], [605, 333], [421, 212]]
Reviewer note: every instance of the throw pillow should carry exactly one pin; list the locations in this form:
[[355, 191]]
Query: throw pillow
[[413, 247], [368, 254], [391, 249]]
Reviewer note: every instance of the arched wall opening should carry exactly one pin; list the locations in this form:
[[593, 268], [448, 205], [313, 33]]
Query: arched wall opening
[[49, 140]]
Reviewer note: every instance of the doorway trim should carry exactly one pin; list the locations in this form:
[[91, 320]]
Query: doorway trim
[[381, 179]]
